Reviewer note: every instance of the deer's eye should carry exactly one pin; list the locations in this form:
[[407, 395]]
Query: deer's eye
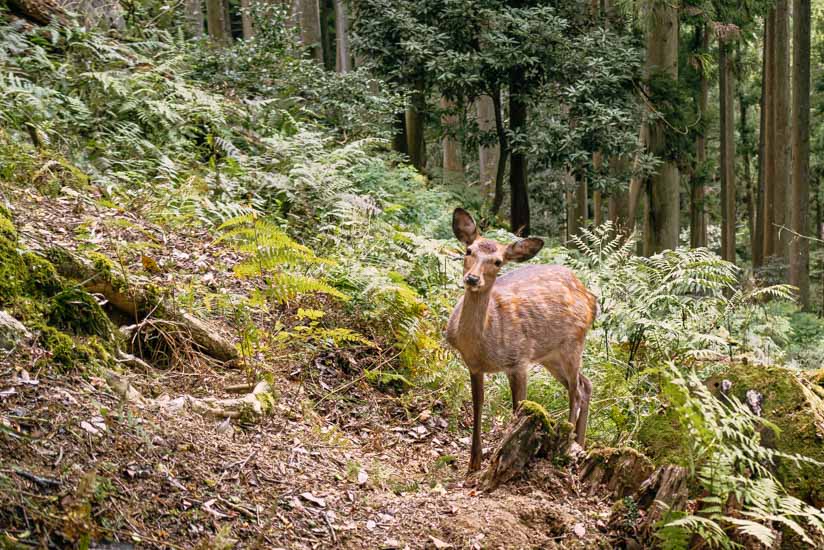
[[468, 252], [498, 263]]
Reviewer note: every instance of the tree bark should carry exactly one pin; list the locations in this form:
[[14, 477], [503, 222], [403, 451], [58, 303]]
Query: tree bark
[[488, 155], [780, 146], [618, 203], [799, 247], [194, 17], [698, 218], [246, 19], [518, 185], [217, 15], [759, 240], [662, 188], [343, 58], [310, 30], [415, 114], [452, 164], [503, 145], [727, 110]]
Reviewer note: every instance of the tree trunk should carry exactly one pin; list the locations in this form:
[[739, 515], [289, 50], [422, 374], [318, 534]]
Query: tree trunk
[[452, 164], [415, 114], [759, 240], [217, 15], [503, 144], [487, 154], [799, 248], [246, 19], [581, 204], [518, 186], [597, 199], [310, 30], [727, 110], [662, 215], [746, 160], [698, 218], [194, 17], [779, 147], [618, 204], [327, 10], [343, 60], [400, 139]]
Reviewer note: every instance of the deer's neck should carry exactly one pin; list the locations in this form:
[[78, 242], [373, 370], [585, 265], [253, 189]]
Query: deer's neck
[[474, 316]]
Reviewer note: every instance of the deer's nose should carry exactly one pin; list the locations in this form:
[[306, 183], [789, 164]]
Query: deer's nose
[[472, 280]]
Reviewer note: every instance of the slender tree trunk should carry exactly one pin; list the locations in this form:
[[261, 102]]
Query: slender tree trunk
[[487, 154], [194, 17], [327, 11], [698, 218], [618, 204], [518, 186], [246, 19], [310, 29], [415, 116], [759, 241], [400, 139], [746, 160], [343, 61], [581, 203], [217, 15], [779, 147], [503, 145], [727, 110], [662, 189], [597, 208], [799, 248], [452, 163]]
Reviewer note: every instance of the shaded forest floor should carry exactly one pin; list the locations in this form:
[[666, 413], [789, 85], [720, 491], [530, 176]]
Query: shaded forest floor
[[335, 463]]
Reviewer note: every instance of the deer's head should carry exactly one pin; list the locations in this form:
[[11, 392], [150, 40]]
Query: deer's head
[[484, 258]]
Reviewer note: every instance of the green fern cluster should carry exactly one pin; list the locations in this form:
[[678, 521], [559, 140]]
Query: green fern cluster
[[273, 256], [743, 500]]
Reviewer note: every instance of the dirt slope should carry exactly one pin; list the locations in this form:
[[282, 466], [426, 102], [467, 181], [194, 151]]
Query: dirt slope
[[335, 463]]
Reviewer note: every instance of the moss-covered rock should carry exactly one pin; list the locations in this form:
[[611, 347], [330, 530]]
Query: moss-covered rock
[[663, 439], [42, 276], [77, 311], [13, 271], [790, 402], [798, 411]]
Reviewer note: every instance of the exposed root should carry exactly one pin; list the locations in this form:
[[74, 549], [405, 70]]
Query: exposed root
[[247, 408]]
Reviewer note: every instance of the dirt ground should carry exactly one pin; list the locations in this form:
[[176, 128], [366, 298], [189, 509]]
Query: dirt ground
[[336, 463]]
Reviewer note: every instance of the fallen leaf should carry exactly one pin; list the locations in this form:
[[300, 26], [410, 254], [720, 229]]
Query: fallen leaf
[[313, 499], [363, 477], [439, 544], [579, 530], [207, 506]]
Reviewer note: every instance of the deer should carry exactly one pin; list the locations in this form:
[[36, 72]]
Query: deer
[[534, 315]]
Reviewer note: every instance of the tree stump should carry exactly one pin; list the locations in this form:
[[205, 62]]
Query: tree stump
[[531, 434], [621, 471], [665, 490]]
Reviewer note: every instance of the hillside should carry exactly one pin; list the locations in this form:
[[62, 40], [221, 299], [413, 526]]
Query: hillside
[[223, 297]]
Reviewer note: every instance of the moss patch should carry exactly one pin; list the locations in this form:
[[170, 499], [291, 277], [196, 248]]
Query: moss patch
[[663, 439], [531, 408], [13, 271], [77, 311], [798, 411]]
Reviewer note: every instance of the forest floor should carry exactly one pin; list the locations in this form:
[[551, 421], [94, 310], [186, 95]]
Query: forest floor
[[336, 463]]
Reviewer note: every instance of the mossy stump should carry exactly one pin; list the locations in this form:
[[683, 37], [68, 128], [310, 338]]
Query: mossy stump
[[531, 434]]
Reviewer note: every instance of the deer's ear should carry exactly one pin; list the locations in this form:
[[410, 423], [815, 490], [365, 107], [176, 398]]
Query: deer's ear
[[464, 227], [523, 250]]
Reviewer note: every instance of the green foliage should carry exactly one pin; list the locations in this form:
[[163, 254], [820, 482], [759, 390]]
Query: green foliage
[[274, 257], [734, 468]]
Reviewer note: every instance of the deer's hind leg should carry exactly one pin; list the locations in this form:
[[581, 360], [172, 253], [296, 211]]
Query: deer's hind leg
[[517, 386]]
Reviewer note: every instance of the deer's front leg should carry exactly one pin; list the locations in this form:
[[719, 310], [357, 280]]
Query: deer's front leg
[[477, 405]]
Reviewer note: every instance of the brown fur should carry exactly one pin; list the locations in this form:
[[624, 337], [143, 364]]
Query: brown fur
[[538, 314]]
